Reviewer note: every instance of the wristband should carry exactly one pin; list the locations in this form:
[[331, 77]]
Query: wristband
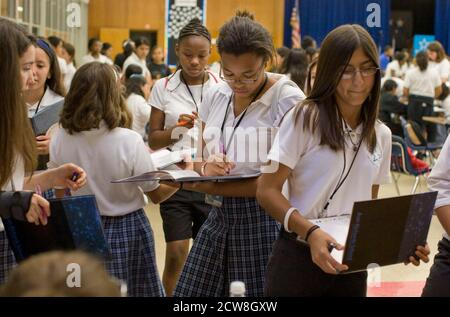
[[286, 219], [310, 231]]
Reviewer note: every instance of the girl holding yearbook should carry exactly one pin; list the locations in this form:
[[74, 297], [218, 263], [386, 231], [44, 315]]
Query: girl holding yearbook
[[333, 151]]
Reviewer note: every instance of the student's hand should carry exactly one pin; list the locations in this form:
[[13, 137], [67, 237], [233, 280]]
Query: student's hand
[[201, 187], [43, 144], [187, 120], [319, 242], [39, 211], [218, 165], [63, 177], [422, 252]]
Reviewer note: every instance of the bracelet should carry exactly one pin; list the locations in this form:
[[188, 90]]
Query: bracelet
[[310, 231], [286, 219], [202, 170]]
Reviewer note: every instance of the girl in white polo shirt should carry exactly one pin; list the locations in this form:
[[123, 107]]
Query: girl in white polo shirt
[[175, 101], [333, 151], [240, 122], [438, 282], [139, 57], [18, 152], [47, 90], [95, 135]]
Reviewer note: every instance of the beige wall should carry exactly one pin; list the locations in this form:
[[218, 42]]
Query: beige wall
[[150, 15]]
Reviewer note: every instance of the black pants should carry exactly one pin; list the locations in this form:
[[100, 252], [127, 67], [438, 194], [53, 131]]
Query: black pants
[[419, 107], [292, 273], [438, 283]]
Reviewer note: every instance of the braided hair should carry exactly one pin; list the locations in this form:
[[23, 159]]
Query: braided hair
[[194, 27]]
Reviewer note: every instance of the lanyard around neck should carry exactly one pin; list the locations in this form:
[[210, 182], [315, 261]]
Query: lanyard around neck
[[189, 89], [40, 100], [225, 149]]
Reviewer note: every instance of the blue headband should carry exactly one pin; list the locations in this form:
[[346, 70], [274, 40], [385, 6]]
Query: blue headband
[[46, 48]]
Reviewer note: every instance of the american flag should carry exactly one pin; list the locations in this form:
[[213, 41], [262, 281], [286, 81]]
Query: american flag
[[295, 24]]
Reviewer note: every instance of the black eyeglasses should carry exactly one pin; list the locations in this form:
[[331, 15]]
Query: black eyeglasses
[[365, 72], [242, 81]]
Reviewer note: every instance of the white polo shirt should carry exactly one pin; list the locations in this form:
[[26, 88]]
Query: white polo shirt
[[49, 98], [18, 176], [316, 168], [90, 59], [171, 96], [400, 71], [134, 59], [253, 138], [141, 110], [422, 83], [443, 68], [71, 70], [105, 156], [439, 179]]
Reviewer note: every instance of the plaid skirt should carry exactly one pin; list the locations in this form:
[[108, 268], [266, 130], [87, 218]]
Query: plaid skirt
[[234, 244], [7, 259], [133, 261]]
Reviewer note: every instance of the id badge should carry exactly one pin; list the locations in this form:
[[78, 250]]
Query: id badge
[[216, 201]]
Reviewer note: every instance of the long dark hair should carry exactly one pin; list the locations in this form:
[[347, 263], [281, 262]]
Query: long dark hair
[[296, 64], [242, 34], [422, 61], [134, 85], [16, 135], [320, 107], [55, 82]]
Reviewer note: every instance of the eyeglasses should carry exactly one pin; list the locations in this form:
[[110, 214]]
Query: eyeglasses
[[365, 72], [242, 81]]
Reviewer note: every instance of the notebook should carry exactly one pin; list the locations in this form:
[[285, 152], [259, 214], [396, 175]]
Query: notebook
[[48, 116], [181, 176], [74, 223], [382, 232], [165, 158]]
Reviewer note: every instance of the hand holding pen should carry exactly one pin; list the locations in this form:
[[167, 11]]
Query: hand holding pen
[[69, 176]]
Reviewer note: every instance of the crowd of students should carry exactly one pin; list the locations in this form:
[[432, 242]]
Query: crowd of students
[[328, 146]]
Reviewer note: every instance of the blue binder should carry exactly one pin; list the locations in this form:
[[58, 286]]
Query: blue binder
[[74, 223]]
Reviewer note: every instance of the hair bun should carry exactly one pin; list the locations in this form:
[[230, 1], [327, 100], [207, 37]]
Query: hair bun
[[245, 14]]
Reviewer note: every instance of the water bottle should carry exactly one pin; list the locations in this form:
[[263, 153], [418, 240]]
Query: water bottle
[[237, 289]]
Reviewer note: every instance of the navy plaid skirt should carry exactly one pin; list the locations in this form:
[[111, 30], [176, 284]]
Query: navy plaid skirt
[[130, 238], [234, 244], [7, 259]]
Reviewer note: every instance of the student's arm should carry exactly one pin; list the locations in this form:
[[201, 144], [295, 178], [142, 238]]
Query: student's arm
[[437, 91], [443, 214], [162, 193], [406, 92], [375, 190], [270, 197], [57, 177]]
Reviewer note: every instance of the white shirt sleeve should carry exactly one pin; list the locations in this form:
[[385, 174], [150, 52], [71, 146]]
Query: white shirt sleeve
[[407, 82], [157, 99], [436, 78], [439, 179], [207, 103], [143, 164], [291, 97], [384, 175], [290, 142]]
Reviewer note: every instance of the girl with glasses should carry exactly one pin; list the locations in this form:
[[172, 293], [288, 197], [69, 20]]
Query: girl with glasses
[[333, 151], [239, 124]]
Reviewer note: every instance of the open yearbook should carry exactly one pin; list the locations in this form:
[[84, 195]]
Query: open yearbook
[[382, 232], [182, 176], [164, 158]]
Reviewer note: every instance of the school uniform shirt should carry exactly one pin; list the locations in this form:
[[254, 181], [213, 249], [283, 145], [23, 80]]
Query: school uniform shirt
[[18, 176], [62, 65], [141, 110], [316, 168], [49, 98], [422, 83], [71, 70], [400, 71], [439, 179], [133, 59], [171, 96], [443, 68], [90, 59], [253, 138], [107, 155]]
